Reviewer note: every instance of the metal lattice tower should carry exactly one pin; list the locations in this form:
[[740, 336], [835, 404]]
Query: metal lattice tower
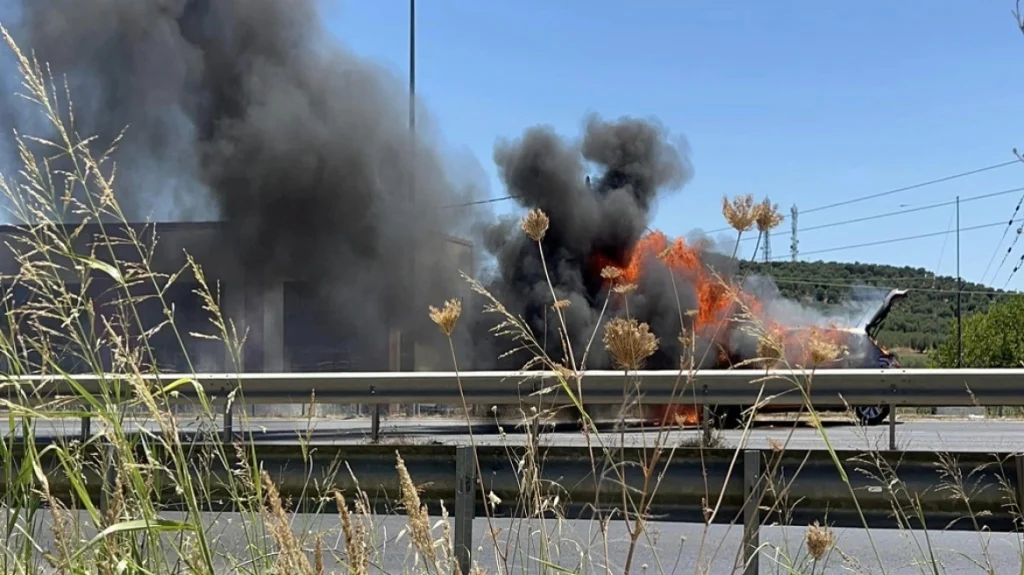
[[766, 249], [794, 250]]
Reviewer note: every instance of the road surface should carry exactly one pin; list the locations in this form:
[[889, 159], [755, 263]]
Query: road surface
[[930, 435], [679, 548]]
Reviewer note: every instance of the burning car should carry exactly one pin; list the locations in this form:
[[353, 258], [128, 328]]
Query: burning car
[[862, 351]]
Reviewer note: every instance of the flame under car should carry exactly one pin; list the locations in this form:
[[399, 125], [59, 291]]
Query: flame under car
[[863, 351]]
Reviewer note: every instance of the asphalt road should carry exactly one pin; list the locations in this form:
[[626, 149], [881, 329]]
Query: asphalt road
[[669, 548], [932, 435], [665, 548]]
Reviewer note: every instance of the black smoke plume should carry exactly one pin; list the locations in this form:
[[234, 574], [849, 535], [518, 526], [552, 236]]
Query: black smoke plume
[[245, 111], [594, 219]]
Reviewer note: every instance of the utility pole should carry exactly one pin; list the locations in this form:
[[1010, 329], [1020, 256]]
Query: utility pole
[[400, 349], [408, 344], [412, 70], [793, 250], [959, 290]]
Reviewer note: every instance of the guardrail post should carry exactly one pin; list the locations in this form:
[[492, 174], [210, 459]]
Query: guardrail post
[[1018, 464], [86, 429], [465, 505], [375, 423], [229, 420], [109, 477], [374, 418], [751, 511], [892, 427], [705, 425]]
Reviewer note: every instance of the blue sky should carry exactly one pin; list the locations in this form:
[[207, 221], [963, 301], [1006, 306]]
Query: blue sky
[[806, 102]]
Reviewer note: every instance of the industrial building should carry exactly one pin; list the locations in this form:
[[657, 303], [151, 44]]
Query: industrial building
[[282, 332]]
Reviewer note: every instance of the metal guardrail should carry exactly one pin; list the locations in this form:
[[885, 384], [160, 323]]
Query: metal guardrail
[[826, 388], [764, 487]]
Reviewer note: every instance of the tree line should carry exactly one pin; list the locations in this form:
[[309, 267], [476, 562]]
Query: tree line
[[921, 322]]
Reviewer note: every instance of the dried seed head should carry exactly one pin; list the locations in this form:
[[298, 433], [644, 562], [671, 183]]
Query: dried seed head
[[416, 514], [561, 304], [318, 555], [565, 372], [819, 540], [624, 288], [769, 348], [767, 216], [739, 212], [447, 316], [822, 350], [292, 557], [355, 536], [611, 273], [535, 224], [686, 340], [629, 342]]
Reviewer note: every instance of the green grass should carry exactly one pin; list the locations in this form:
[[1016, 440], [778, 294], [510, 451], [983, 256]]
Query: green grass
[[127, 531]]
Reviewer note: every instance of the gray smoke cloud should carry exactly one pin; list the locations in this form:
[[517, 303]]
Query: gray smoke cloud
[[852, 314], [245, 111], [594, 220]]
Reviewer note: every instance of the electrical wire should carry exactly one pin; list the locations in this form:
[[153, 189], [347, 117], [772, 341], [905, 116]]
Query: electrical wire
[[897, 190], [890, 286], [817, 209], [1009, 250], [1009, 226], [945, 240], [853, 281], [479, 202], [911, 187], [890, 214], [1020, 263], [895, 240]]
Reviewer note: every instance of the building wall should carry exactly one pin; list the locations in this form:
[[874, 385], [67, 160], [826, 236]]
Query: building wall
[[274, 341]]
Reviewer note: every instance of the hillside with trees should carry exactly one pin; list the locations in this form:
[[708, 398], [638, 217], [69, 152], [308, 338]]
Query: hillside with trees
[[990, 340], [920, 322]]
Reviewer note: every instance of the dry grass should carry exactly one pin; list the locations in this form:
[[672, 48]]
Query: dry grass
[[130, 532]]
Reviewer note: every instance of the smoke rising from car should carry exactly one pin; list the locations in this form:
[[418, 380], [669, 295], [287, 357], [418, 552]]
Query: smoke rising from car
[[594, 220], [246, 111]]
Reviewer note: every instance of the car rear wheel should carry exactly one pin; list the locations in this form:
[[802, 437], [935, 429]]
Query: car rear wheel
[[726, 416], [871, 414]]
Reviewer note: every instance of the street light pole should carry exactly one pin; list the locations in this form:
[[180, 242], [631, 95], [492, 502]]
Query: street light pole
[[408, 346], [959, 290], [412, 67]]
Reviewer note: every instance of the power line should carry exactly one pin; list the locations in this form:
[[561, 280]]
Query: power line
[[480, 202], [919, 289], [903, 212], [912, 187], [902, 239], [817, 209], [1020, 263], [1009, 250], [898, 190], [945, 240], [931, 277]]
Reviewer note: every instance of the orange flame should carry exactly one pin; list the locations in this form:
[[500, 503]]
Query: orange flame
[[717, 299], [714, 299], [712, 295]]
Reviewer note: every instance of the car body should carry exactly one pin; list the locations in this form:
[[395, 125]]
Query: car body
[[863, 351]]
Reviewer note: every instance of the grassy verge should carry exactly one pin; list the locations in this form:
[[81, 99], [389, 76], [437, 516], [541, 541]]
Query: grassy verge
[[57, 330]]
